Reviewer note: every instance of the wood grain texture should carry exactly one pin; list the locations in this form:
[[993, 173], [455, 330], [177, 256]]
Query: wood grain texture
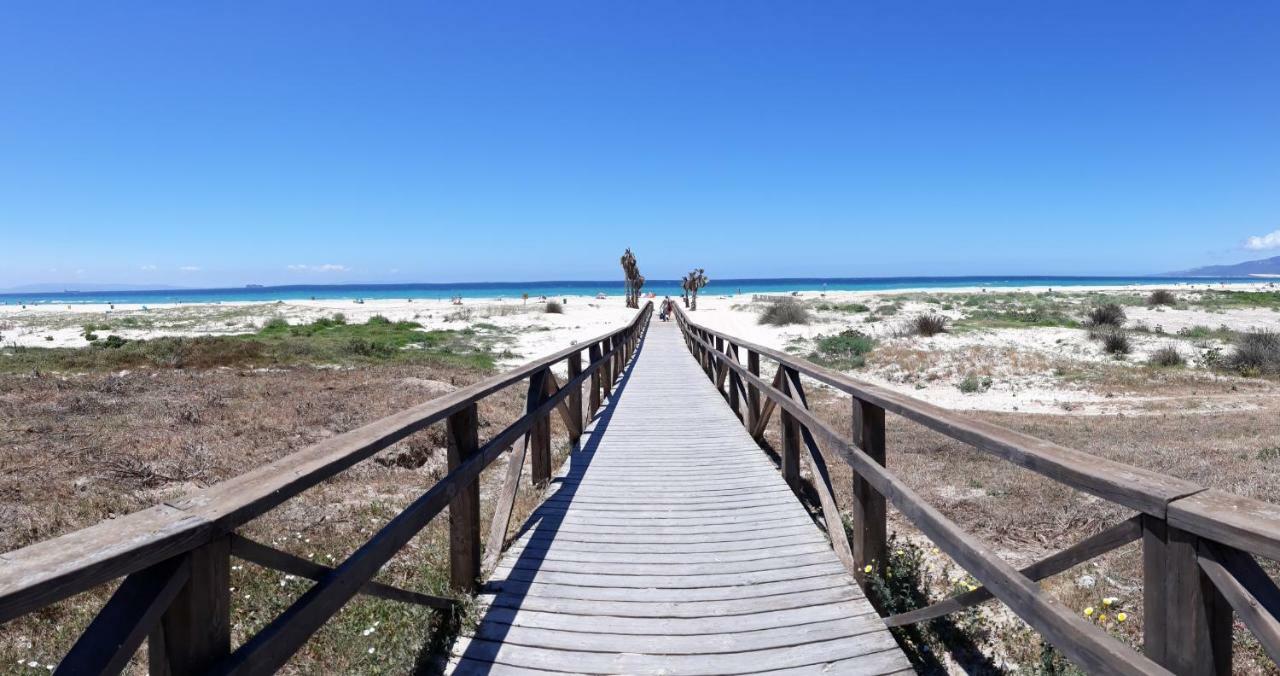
[[662, 551]]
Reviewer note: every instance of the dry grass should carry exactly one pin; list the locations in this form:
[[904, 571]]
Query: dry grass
[[78, 449]]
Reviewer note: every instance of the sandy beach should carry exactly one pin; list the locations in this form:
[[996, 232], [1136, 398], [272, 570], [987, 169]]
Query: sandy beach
[[1023, 367]]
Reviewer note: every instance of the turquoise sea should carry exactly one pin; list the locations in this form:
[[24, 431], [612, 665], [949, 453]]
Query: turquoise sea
[[585, 288]]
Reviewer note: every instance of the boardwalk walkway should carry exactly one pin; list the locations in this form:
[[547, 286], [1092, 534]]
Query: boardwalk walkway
[[673, 546]]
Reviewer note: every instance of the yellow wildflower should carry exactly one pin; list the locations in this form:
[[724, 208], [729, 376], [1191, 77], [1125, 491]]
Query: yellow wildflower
[[867, 569], [1088, 611], [971, 587], [1102, 617], [1121, 617]]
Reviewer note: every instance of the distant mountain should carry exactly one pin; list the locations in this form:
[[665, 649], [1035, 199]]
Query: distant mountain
[[78, 286], [1266, 266]]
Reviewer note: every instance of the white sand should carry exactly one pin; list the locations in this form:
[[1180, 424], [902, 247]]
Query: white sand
[[1022, 363]]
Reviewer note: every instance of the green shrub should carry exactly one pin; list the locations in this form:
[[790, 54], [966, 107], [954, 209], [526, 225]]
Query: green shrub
[[1109, 314], [1257, 353], [844, 350], [113, 342], [1167, 356], [929, 325], [554, 307], [379, 320], [1116, 342], [276, 324], [1162, 297], [972, 384], [785, 312]]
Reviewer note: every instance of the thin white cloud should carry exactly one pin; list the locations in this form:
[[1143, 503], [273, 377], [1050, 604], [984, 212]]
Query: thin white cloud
[[190, 268], [325, 267], [1270, 240], [146, 268]]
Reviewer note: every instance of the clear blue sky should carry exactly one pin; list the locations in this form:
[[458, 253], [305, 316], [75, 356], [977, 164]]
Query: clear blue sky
[[276, 142]]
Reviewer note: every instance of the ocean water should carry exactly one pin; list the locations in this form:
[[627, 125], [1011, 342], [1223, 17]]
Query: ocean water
[[513, 290]]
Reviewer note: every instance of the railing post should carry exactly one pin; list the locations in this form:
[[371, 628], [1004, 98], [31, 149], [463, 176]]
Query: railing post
[[753, 392], [790, 441], [540, 432], [593, 400], [607, 367], [462, 430], [868, 505], [574, 400], [194, 634], [1186, 621], [734, 383]]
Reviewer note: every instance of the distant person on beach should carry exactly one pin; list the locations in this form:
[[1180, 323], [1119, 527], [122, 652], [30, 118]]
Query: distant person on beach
[[664, 310]]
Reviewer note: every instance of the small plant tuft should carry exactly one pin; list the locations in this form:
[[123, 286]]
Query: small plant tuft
[[1116, 342], [1167, 357], [1162, 297], [972, 384], [785, 312], [554, 307], [1257, 353], [1109, 314], [845, 350], [929, 325]]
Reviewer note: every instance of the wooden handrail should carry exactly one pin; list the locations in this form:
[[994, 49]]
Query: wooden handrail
[[134, 545], [1182, 525]]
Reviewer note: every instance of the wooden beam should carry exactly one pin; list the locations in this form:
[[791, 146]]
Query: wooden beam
[[540, 433], [753, 394], [463, 435], [1095, 545], [869, 511], [117, 631], [762, 422], [1186, 621], [275, 559], [593, 397], [194, 633], [574, 400], [790, 459], [1248, 589]]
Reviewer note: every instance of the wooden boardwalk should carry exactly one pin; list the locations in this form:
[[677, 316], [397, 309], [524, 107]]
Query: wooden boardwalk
[[671, 545]]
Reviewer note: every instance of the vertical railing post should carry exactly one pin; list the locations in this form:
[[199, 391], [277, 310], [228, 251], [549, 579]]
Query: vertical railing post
[[607, 367], [593, 400], [734, 383], [753, 392], [790, 441], [574, 400], [868, 505], [540, 432], [462, 431], [194, 634], [1186, 621]]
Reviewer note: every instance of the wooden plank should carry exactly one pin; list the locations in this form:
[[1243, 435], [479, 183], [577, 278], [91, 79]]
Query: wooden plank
[[593, 396], [766, 410], [269, 557], [1095, 545], [1246, 524], [753, 394], [506, 502], [1249, 590], [117, 631]]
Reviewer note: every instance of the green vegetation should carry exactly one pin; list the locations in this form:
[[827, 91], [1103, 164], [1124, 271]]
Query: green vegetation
[[850, 308], [972, 384], [1015, 310], [785, 312], [1234, 300], [1167, 357], [843, 351], [1116, 342], [277, 343], [929, 324], [903, 584], [555, 308], [1162, 297], [1257, 353], [1108, 314]]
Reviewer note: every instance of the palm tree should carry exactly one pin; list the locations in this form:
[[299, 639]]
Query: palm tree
[[692, 283], [632, 278]]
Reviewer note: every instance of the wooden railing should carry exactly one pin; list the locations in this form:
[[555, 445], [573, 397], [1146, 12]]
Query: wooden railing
[[1198, 544], [175, 557]]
